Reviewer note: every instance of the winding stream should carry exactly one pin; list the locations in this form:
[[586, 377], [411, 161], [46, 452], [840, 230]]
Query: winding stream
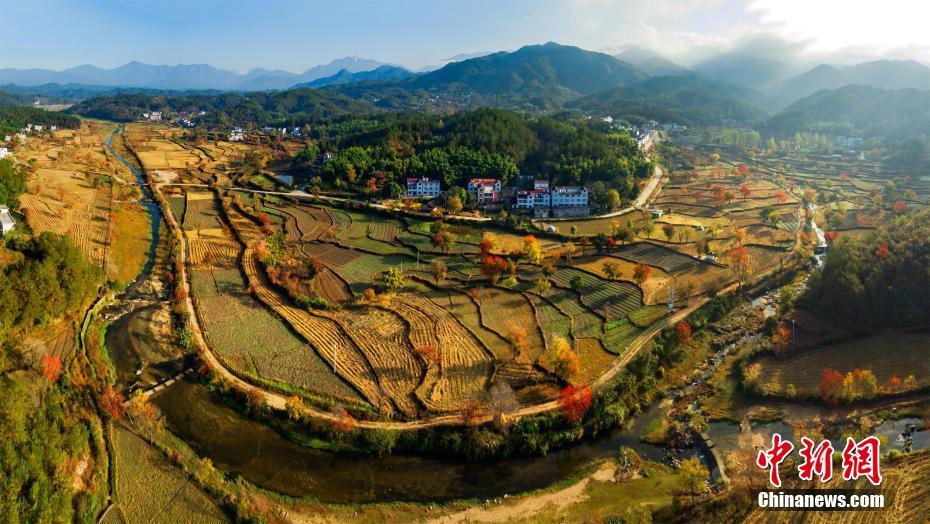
[[148, 201]]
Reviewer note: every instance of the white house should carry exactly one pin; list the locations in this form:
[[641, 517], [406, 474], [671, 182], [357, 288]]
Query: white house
[[6, 220], [423, 187], [569, 196], [532, 199], [155, 116], [540, 185], [4, 152], [236, 135], [485, 189]]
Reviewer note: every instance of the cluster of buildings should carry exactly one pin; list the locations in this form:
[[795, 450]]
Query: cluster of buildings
[[154, 116], [849, 141], [543, 200]]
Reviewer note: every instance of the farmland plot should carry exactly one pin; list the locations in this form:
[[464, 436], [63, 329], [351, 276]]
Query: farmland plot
[[255, 344], [885, 354], [645, 253]]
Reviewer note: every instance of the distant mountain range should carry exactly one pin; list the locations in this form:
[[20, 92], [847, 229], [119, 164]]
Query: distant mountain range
[[182, 77], [344, 76], [857, 110], [885, 74], [688, 99]]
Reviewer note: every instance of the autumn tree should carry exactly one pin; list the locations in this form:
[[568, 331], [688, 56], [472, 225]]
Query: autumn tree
[[641, 273], [444, 240], [574, 401], [440, 271], [516, 335], [51, 367], [112, 403], [531, 249], [745, 190], [831, 386], [899, 206], [738, 257], [683, 332], [295, 407], [694, 475], [453, 204]]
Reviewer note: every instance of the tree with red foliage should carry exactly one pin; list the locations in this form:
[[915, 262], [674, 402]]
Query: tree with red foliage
[[263, 219], [180, 294], [112, 403], [611, 243], [344, 422], [831, 386], [831, 236], [493, 267], [51, 367], [882, 251], [574, 401], [743, 170], [781, 196], [745, 190], [844, 176], [899, 206], [683, 332]]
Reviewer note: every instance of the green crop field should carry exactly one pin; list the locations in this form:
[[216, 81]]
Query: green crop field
[[256, 344]]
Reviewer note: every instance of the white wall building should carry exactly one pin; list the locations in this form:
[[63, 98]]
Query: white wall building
[[485, 189], [6, 220], [423, 187], [4, 152], [236, 135], [532, 199], [540, 185], [569, 196]]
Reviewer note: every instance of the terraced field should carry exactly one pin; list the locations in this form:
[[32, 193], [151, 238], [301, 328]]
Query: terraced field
[[645, 253], [885, 354]]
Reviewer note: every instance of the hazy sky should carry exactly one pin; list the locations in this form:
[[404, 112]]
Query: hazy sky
[[296, 35]]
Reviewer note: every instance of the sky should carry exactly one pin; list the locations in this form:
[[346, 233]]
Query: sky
[[295, 35]]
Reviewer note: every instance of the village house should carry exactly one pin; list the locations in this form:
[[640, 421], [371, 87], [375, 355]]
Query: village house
[[6, 220], [532, 199], [569, 196], [4, 152], [236, 135], [422, 187], [485, 190], [540, 185]]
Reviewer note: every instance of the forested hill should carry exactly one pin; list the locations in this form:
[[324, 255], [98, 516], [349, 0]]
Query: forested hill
[[294, 107], [688, 99], [880, 280], [14, 118], [857, 110], [376, 154]]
